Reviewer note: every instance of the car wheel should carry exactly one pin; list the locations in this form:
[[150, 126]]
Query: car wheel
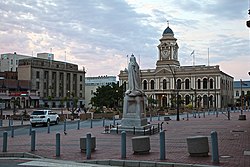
[[57, 121]]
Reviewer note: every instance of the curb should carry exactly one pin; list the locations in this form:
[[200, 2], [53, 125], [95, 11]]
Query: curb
[[134, 163]]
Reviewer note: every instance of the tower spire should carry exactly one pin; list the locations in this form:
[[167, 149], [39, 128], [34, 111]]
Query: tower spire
[[168, 23]]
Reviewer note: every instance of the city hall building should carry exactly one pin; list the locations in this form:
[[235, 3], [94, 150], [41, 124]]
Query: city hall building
[[199, 85]]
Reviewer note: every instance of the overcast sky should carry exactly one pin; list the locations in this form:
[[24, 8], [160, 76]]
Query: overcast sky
[[99, 34]]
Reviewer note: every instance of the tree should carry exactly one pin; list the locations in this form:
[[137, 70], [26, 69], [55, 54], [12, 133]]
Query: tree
[[73, 107], [108, 95]]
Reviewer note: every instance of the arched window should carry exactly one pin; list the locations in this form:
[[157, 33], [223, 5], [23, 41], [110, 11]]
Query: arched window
[[187, 84], [205, 83], [211, 84], [145, 83], [178, 84], [152, 84], [187, 99], [237, 93], [199, 84], [164, 84]]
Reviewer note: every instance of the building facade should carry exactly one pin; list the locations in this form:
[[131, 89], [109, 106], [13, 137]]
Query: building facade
[[56, 83], [241, 89], [10, 61], [92, 83], [199, 85]]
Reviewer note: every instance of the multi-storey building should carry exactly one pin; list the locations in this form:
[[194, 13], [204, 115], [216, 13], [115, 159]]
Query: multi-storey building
[[199, 85], [54, 81], [9, 61], [92, 83]]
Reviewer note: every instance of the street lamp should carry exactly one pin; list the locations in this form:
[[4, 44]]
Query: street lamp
[[177, 95]]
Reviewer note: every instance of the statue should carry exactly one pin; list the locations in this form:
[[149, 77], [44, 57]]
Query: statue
[[134, 83]]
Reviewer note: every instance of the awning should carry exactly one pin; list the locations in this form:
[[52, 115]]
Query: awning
[[35, 97], [5, 97]]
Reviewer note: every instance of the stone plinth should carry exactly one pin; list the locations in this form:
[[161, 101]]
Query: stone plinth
[[133, 112], [198, 146], [83, 144], [141, 144]]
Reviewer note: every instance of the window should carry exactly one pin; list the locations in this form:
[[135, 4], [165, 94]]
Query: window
[[211, 84], [92, 92], [187, 84], [164, 84], [80, 78], [152, 83], [80, 86], [11, 61], [187, 99], [37, 74], [237, 93], [37, 85], [178, 84], [80, 94], [199, 84], [145, 85], [205, 83]]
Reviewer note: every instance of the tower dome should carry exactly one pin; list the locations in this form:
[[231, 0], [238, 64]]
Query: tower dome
[[168, 31]]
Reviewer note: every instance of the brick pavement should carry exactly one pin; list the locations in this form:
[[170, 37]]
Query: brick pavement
[[233, 136]]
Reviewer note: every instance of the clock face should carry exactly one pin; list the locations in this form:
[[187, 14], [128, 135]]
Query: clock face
[[165, 53]]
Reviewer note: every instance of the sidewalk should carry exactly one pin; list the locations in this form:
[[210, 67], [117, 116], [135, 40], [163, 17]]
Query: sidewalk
[[233, 141]]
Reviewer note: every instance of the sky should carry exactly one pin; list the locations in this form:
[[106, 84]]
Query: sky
[[100, 35]]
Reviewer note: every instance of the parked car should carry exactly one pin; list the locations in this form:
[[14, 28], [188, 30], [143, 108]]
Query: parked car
[[43, 117]]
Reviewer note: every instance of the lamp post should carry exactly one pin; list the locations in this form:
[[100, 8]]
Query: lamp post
[[177, 95]]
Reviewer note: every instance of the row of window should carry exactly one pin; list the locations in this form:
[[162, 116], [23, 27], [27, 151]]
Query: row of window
[[46, 74], [205, 84], [237, 93]]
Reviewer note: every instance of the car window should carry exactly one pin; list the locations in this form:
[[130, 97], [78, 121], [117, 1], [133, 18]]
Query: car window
[[38, 113]]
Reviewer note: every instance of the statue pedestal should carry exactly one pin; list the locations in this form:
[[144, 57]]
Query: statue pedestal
[[133, 112]]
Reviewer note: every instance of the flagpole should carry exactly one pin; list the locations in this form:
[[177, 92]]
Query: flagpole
[[207, 56]]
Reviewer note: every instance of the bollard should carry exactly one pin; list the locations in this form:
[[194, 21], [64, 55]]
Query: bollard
[[9, 121], [134, 130], [114, 120], [78, 124], [30, 129], [91, 123], [161, 125], [12, 131], [58, 144], [33, 140], [150, 118], [48, 125], [117, 131], [187, 116], [123, 145], [22, 120], [103, 122], [215, 151], [64, 125], [144, 131], [5, 141], [158, 117], [1, 122], [88, 146], [228, 114], [162, 146]]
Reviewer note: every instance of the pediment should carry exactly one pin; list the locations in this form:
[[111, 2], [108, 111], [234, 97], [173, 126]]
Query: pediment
[[163, 71]]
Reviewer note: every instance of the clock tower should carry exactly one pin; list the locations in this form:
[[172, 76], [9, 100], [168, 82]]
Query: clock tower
[[168, 49]]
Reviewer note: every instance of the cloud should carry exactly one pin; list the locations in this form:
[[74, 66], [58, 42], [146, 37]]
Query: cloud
[[99, 34]]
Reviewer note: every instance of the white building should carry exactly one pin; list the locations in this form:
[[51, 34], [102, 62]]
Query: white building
[[199, 85], [10, 61], [92, 83]]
